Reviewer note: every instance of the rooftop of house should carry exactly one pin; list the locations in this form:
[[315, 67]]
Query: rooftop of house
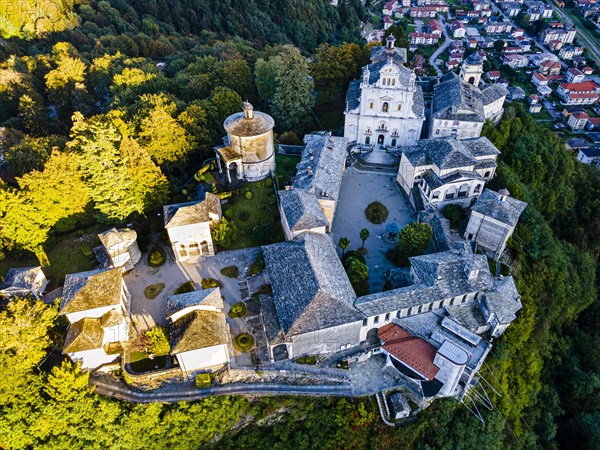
[[198, 329], [583, 86], [469, 315], [21, 278], [240, 124], [302, 210], [310, 287], [591, 152], [321, 167], [437, 276], [182, 214], [492, 92], [205, 297], [455, 100], [411, 350], [86, 334], [503, 300], [117, 237], [507, 211], [88, 290], [450, 153]]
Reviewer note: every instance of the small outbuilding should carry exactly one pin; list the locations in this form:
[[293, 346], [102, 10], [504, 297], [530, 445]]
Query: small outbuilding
[[24, 281]]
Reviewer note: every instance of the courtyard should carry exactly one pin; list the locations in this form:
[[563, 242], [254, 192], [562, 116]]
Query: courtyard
[[359, 189]]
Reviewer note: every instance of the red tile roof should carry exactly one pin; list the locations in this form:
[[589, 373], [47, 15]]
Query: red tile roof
[[583, 95], [411, 350], [584, 86]]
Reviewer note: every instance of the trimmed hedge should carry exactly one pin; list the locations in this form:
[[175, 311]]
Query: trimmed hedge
[[208, 283], [157, 257], [377, 213], [152, 291], [230, 271], [203, 381], [237, 310], [243, 342], [311, 360]]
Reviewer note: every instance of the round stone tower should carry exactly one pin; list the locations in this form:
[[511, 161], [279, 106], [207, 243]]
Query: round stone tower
[[248, 152]]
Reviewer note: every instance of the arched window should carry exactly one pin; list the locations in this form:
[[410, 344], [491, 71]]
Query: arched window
[[399, 107], [385, 107], [394, 142], [371, 105], [367, 140], [487, 174], [393, 82]]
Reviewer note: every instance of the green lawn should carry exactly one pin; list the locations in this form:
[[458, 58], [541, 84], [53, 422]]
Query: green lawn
[[140, 362], [262, 225], [285, 169], [69, 253]]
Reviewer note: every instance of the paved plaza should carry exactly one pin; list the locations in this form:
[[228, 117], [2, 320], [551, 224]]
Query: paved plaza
[[358, 190]]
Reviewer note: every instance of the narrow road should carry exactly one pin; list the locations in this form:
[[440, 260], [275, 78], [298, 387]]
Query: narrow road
[[116, 390], [442, 48]]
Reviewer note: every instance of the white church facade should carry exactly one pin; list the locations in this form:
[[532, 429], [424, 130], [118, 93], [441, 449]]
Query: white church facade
[[386, 106]]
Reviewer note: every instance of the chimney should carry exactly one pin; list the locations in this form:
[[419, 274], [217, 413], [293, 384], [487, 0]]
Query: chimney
[[503, 195]]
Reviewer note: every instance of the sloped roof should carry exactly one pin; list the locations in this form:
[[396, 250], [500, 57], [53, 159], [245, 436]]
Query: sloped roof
[[113, 237], [503, 300], [21, 277], [111, 318], [445, 153], [238, 125], [93, 289], [411, 350], [86, 334], [438, 276], [469, 315], [206, 297], [381, 53], [493, 92], [311, 289], [198, 329], [182, 214], [454, 99], [507, 212], [302, 210]]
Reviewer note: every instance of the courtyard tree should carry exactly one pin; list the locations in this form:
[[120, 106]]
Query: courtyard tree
[[357, 270], [344, 243], [364, 235], [224, 233], [414, 239]]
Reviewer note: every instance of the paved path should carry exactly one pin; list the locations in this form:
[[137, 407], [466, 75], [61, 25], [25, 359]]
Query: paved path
[[359, 189], [447, 42]]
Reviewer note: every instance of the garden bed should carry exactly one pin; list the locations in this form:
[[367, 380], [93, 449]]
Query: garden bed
[[152, 291], [157, 257]]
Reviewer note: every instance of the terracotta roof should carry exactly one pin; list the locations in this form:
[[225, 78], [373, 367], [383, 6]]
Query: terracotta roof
[[411, 350], [583, 95], [579, 87]]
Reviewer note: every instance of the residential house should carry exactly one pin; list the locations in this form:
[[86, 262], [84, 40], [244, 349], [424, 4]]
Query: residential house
[[423, 38], [574, 75], [511, 9], [189, 226], [493, 75], [589, 155], [550, 68], [504, 27], [493, 219], [515, 61], [562, 35], [539, 80], [584, 93], [387, 22], [446, 170], [578, 120], [568, 53], [24, 282], [97, 305], [592, 124], [458, 29], [198, 333], [435, 28]]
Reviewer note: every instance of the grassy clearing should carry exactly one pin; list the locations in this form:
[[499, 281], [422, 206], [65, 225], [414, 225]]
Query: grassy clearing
[[285, 169], [256, 217], [68, 253], [140, 362]]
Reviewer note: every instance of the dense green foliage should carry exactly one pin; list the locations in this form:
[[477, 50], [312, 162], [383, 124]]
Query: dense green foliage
[[376, 212]]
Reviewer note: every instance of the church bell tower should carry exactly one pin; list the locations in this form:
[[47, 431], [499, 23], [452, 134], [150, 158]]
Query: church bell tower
[[472, 69]]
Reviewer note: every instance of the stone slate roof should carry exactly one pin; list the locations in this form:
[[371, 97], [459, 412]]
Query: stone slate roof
[[205, 297], [507, 212], [182, 214], [405, 76], [21, 279], [493, 92], [455, 100], [311, 289], [86, 334], [111, 318], [113, 237], [418, 102], [381, 53], [321, 167], [88, 290], [302, 210], [198, 329], [438, 276], [270, 320], [450, 153], [353, 95], [503, 300], [442, 237], [469, 315], [238, 125]]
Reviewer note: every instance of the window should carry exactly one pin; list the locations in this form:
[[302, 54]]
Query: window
[[477, 189], [385, 107], [399, 107], [368, 140], [436, 195], [487, 174], [365, 322], [393, 82], [470, 236], [376, 319], [387, 317], [437, 132], [371, 105]]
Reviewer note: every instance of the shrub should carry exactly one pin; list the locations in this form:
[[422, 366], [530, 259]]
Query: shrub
[[265, 289], [152, 291], [414, 239], [188, 286], [157, 257], [230, 271], [237, 310], [309, 359], [228, 213], [243, 342], [224, 233], [257, 266], [269, 182], [87, 249], [208, 283], [357, 271], [361, 288], [248, 195], [455, 214], [159, 341], [203, 381], [244, 215], [376, 212], [353, 254]]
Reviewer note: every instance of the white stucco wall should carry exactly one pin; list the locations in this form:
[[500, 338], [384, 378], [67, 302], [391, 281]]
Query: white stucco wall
[[462, 129], [90, 359], [328, 340], [203, 358], [188, 234]]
